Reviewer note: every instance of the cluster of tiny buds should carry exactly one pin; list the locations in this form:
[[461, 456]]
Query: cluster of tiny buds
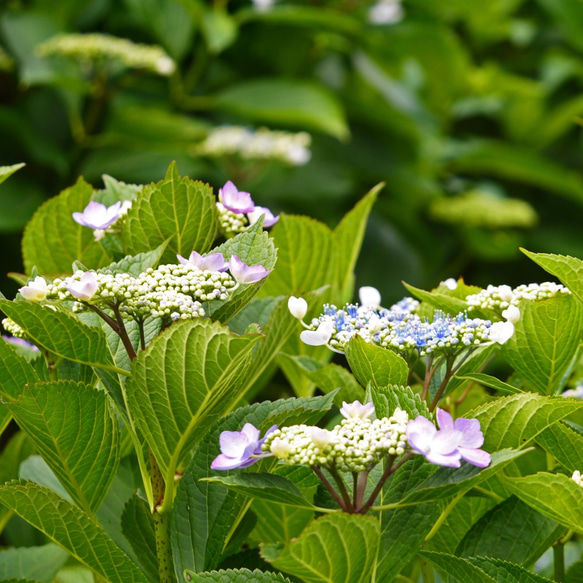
[[357, 444], [501, 297], [13, 328]]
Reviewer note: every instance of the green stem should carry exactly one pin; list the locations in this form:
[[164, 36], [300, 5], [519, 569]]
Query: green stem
[[559, 560], [443, 516], [427, 571]]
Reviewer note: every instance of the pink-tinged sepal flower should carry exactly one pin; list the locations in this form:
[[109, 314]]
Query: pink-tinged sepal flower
[[212, 262], [356, 410], [450, 444], [84, 289], [98, 216], [234, 200], [244, 273], [240, 449], [268, 218]]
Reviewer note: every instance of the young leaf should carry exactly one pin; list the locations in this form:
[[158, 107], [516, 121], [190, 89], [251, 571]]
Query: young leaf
[[236, 576], [545, 342], [52, 240], [136, 264], [441, 301], [372, 363], [387, 399], [73, 427], [513, 421], [492, 382], [553, 495], [8, 171], [71, 529], [176, 210], [39, 563], [338, 547], [174, 398]]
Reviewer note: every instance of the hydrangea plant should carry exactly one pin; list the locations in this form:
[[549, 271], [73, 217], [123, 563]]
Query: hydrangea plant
[[150, 436]]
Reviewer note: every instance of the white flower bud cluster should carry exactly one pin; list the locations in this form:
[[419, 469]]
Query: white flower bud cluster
[[261, 144], [500, 297], [170, 291], [13, 328], [355, 445], [231, 223], [97, 47]]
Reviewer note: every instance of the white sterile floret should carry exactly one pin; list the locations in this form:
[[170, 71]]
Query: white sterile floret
[[369, 297], [450, 283], [297, 307], [501, 332], [576, 477], [35, 291], [320, 336], [511, 314]]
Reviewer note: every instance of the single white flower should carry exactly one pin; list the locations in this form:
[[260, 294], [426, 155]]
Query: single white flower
[[512, 314], [35, 291], [501, 332], [318, 337], [450, 283], [298, 307], [370, 297], [356, 410]]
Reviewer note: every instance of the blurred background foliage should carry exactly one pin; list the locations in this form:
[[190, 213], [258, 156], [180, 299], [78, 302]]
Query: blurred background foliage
[[467, 110]]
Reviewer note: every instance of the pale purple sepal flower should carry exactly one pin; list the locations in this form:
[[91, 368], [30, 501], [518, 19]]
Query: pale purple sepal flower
[[85, 288], [356, 410], [240, 449], [268, 219], [450, 444], [98, 216], [15, 341], [212, 262], [235, 200], [244, 273], [36, 290], [320, 336]]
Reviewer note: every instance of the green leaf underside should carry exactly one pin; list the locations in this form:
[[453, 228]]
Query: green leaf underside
[[38, 563], [237, 576], [71, 529], [337, 547]]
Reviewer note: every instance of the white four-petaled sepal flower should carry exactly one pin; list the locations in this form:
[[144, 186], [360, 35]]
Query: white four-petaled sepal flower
[[512, 314], [212, 262], [268, 218], [297, 307], [85, 288], [320, 336], [501, 332], [235, 200], [244, 273], [356, 410], [35, 291], [98, 216], [370, 297]]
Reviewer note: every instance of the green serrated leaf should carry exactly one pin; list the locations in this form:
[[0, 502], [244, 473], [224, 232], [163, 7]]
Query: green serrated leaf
[[441, 301], [73, 427], [492, 382], [237, 576], [460, 570], [338, 547], [8, 171], [39, 563], [138, 528], [71, 529], [270, 487], [372, 363], [175, 399], [564, 444], [553, 495], [506, 572], [177, 211], [134, 265], [115, 190], [545, 343], [515, 420], [61, 334], [511, 531], [387, 399], [52, 240], [299, 103]]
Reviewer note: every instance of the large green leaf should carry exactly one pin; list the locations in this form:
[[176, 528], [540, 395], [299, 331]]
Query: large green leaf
[[297, 103], [205, 514], [545, 342], [371, 363], [182, 383], [568, 269], [40, 563], [176, 210], [553, 495], [511, 531], [338, 547], [237, 576], [73, 427], [515, 420], [71, 529], [564, 444], [61, 334], [52, 240], [460, 570], [506, 572]]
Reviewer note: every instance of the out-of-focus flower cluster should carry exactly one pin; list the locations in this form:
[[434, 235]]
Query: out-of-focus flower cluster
[[356, 445], [95, 47], [261, 144], [499, 298]]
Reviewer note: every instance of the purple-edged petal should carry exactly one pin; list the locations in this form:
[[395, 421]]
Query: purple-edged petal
[[222, 462], [268, 219], [472, 435], [444, 420], [233, 443], [212, 262], [84, 289], [98, 216], [446, 441], [450, 461], [420, 432], [476, 457], [244, 273], [234, 200]]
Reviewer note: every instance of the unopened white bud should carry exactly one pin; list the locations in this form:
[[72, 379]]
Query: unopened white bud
[[298, 307], [512, 314]]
